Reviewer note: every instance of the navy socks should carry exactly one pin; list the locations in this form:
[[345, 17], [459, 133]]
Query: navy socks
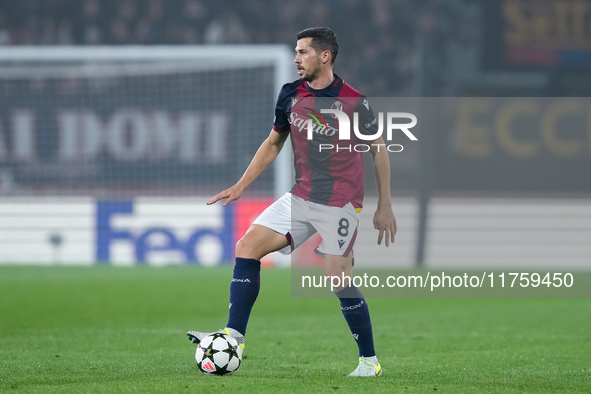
[[356, 314], [244, 289]]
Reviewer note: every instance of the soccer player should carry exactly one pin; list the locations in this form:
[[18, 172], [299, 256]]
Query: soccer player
[[326, 198]]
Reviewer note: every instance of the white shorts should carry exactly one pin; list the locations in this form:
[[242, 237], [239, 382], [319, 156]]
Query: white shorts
[[299, 219]]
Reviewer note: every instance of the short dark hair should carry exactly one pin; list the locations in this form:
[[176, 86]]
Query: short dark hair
[[323, 39]]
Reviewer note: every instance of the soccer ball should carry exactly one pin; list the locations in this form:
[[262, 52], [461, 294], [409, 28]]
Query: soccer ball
[[218, 354]]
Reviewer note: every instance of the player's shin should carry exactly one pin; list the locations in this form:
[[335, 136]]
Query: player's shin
[[244, 290], [356, 313]]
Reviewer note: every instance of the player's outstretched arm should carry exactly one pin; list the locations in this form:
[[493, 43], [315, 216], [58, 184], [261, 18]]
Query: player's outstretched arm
[[265, 155], [383, 219]]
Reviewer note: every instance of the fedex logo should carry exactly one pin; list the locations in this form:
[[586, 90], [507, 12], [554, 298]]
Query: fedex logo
[[166, 233]]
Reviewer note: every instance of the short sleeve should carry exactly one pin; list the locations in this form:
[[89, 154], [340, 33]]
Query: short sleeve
[[368, 123], [281, 123]]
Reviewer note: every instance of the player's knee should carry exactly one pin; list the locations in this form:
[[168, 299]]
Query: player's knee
[[246, 249], [334, 272], [339, 267]]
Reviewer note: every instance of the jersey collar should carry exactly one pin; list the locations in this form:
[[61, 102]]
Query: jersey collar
[[330, 87]]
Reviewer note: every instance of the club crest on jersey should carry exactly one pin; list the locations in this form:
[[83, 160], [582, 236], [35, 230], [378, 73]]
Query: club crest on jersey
[[338, 106]]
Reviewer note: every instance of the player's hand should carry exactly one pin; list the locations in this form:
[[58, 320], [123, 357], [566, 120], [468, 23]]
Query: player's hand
[[229, 195], [385, 222]]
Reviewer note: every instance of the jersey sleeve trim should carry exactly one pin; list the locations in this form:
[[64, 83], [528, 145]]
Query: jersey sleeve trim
[[280, 131]]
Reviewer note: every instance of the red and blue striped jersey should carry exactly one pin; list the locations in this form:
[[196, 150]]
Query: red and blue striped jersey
[[325, 175]]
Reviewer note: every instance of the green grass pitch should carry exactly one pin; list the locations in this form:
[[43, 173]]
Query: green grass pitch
[[105, 329]]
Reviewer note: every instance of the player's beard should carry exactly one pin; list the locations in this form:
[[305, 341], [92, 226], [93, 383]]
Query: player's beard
[[313, 74]]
